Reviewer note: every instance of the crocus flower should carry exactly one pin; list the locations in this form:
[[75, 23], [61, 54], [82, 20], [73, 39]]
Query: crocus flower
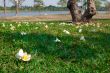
[[23, 55]]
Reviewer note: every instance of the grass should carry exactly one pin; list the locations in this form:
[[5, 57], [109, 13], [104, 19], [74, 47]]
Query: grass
[[71, 55]]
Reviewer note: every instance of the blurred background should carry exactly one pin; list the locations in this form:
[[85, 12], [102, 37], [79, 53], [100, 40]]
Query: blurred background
[[11, 8]]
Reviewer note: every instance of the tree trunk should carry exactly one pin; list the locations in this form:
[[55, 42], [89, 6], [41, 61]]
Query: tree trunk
[[76, 11], [17, 8], [90, 11], [4, 6]]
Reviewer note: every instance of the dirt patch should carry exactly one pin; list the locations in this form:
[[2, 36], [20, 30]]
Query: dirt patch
[[48, 17]]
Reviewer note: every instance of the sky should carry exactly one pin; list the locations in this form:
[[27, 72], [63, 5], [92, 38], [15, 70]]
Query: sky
[[31, 2]]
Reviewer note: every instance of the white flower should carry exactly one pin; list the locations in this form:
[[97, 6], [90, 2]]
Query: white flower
[[27, 24], [86, 24], [46, 26], [100, 29], [57, 40], [39, 22], [43, 23], [36, 27], [26, 57], [20, 54], [77, 26], [106, 24], [82, 38], [12, 27], [98, 25], [23, 55], [65, 31], [3, 24], [51, 23], [23, 33], [80, 30], [19, 22], [94, 30], [62, 23], [19, 25]]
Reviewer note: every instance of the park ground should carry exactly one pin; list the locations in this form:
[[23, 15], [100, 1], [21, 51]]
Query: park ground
[[61, 17], [81, 49]]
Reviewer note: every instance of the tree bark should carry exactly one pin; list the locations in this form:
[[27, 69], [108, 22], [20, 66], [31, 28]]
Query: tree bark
[[90, 11], [17, 8], [76, 13], [4, 6], [74, 10]]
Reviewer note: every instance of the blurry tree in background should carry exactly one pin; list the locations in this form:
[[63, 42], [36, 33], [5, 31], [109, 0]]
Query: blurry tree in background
[[62, 3], [17, 4], [108, 6], [98, 3], [38, 3]]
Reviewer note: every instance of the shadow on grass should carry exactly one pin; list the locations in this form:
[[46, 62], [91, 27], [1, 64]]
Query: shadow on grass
[[71, 48], [99, 38]]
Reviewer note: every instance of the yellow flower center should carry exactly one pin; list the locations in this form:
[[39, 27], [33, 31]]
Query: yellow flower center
[[25, 58]]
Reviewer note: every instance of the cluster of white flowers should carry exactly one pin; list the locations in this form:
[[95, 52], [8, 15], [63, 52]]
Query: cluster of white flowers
[[39, 23], [19, 25], [62, 23], [23, 33], [51, 23], [12, 28], [23, 55], [26, 57]]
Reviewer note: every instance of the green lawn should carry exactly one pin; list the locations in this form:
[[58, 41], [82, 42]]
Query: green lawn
[[71, 55]]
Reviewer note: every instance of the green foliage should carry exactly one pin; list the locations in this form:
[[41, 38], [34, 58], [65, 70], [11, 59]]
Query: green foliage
[[107, 5], [71, 55], [38, 3], [62, 3], [19, 2], [98, 3]]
